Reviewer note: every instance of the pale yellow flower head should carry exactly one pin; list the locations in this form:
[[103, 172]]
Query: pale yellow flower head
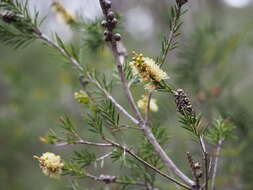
[[82, 97], [143, 103], [50, 164], [147, 69]]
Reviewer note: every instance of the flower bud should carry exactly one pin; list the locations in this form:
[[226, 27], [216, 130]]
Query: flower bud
[[106, 33], [82, 97], [117, 37], [108, 4], [104, 23], [110, 15], [196, 165], [114, 21]]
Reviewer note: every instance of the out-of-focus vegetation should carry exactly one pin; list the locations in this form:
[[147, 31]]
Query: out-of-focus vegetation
[[213, 64]]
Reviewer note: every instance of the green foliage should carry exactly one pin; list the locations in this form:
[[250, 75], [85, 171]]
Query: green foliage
[[84, 158], [109, 114], [76, 186], [67, 133], [146, 150], [70, 50], [73, 169], [17, 28], [101, 114], [95, 122], [93, 36], [221, 130], [174, 23], [12, 37], [192, 124], [133, 79]]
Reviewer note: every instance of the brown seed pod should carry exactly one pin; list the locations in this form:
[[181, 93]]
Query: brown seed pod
[[108, 4], [104, 23], [110, 15], [117, 37]]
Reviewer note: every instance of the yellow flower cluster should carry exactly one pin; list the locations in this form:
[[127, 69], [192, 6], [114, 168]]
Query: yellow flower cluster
[[64, 15], [50, 164], [82, 97], [147, 69], [142, 104]]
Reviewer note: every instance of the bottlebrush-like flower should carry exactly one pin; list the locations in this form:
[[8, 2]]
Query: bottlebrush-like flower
[[147, 69], [142, 104], [50, 164]]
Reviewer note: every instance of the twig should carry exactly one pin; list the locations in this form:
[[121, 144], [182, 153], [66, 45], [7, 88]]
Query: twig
[[130, 83], [147, 132], [205, 157], [73, 61], [109, 96], [166, 159], [129, 127], [202, 143], [125, 149], [104, 156], [196, 172], [83, 142], [148, 108], [173, 29], [210, 165], [120, 62], [113, 179], [216, 159]]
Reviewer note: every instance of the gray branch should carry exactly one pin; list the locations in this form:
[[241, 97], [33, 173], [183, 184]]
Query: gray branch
[[216, 159]]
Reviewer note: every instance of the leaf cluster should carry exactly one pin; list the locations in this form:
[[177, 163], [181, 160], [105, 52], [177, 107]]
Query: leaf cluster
[[93, 36], [169, 43], [17, 28], [73, 169], [83, 158], [146, 150], [68, 132], [192, 124], [221, 130]]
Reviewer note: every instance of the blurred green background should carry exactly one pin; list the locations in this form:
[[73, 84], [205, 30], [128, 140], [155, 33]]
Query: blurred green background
[[213, 64]]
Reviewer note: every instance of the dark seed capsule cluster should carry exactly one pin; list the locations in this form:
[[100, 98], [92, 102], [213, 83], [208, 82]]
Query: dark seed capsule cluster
[[196, 170], [183, 103], [110, 22]]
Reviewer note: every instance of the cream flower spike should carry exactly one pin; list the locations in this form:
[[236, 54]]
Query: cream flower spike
[[50, 164], [147, 69]]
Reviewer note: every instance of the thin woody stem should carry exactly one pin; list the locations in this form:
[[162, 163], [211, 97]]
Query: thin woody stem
[[72, 60], [166, 159], [125, 149], [129, 127], [109, 96], [104, 156], [148, 108], [205, 156], [124, 83], [119, 63], [216, 159], [83, 142], [112, 179], [171, 35], [75, 63], [147, 131]]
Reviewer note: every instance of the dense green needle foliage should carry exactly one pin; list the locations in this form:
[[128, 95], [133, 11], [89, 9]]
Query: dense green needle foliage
[[147, 162]]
